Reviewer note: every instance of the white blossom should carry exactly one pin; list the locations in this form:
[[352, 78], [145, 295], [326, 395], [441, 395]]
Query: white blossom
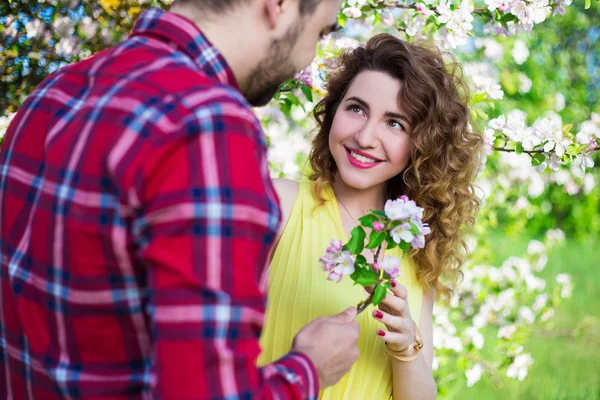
[[474, 374], [518, 369], [520, 52]]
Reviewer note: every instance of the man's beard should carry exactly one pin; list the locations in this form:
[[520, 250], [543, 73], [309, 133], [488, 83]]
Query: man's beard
[[272, 71]]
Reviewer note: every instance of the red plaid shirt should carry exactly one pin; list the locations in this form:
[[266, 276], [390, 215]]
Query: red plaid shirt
[[136, 218]]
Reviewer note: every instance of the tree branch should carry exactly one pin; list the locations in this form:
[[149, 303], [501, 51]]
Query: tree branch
[[479, 10], [536, 151], [513, 150]]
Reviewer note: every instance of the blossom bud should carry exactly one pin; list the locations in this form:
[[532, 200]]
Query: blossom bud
[[377, 226]]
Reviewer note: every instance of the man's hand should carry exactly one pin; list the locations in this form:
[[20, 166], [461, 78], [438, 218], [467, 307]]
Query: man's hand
[[331, 344]]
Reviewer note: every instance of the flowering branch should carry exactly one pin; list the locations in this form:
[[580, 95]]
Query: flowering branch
[[400, 225]]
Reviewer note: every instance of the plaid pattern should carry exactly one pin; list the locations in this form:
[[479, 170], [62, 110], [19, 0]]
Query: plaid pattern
[[136, 218]]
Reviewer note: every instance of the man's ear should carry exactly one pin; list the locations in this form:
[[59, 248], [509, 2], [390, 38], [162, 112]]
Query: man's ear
[[273, 11]]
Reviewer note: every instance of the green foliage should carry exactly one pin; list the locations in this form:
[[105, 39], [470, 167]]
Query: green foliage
[[379, 294]]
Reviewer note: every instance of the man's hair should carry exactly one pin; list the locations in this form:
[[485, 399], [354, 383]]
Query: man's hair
[[216, 6]]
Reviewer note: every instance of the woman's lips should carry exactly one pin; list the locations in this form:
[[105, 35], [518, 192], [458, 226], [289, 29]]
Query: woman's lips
[[360, 164]]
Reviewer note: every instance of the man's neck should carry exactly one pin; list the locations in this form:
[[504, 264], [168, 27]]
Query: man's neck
[[228, 34]]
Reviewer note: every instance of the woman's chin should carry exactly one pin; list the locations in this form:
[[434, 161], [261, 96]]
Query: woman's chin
[[358, 183]]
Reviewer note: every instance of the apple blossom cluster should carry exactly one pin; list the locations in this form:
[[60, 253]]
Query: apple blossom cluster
[[484, 82], [452, 20], [400, 224], [412, 229], [337, 262], [527, 12], [510, 299], [550, 143]]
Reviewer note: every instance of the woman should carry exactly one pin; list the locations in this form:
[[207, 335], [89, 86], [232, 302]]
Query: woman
[[394, 122]]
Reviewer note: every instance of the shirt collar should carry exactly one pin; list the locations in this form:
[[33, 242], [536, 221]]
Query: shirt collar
[[188, 38]]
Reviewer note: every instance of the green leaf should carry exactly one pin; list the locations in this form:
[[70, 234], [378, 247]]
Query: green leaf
[[481, 113], [379, 294], [357, 241], [519, 148], [405, 247], [537, 159], [377, 18], [395, 224], [478, 98], [364, 277], [588, 4], [307, 92], [375, 239], [368, 220], [286, 106], [293, 99], [379, 213], [361, 261], [414, 229], [390, 243], [572, 149]]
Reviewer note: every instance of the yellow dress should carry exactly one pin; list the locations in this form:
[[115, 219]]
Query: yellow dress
[[299, 292]]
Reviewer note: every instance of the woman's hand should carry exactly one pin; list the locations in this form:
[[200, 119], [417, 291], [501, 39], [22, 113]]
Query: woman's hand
[[395, 314]]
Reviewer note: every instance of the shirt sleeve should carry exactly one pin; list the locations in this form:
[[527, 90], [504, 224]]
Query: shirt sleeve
[[205, 226]]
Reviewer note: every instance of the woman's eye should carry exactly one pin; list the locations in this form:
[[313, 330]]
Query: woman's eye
[[356, 109], [395, 125]]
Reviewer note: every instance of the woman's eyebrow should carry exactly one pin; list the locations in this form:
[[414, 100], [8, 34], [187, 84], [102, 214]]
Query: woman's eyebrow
[[397, 116], [359, 101]]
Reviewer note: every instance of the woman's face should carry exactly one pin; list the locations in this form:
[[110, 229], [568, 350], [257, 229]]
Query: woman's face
[[369, 138]]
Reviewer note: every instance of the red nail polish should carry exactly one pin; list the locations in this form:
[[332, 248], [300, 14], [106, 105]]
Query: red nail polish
[[378, 314], [380, 332], [393, 283]]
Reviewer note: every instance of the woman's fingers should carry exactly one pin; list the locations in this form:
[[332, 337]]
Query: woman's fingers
[[393, 322], [395, 303], [399, 290], [396, 340]]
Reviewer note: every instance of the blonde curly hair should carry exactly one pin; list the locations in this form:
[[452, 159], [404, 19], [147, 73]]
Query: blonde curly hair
[[445, 154]]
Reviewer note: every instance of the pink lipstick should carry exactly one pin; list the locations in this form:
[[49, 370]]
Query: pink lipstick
[[360, 164]]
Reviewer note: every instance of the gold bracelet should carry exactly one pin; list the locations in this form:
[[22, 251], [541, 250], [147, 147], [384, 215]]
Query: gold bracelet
[[417, 345]]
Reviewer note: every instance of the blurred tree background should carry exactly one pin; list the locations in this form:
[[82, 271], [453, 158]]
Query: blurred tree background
[[524, 321]]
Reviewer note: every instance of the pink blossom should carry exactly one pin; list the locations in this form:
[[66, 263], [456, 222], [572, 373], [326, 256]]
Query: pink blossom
[[335, 246], [388, 18], [391, 265], [377, 226], [327, 263], [426, 12], [375, 267], [335, 275]]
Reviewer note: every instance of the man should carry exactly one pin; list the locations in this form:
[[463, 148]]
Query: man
[[137, 216]]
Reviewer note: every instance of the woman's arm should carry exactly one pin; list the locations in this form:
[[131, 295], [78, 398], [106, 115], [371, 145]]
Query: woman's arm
[[414, 379]]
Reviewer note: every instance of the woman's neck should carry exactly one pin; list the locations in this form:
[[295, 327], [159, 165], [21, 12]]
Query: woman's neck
[[359, 201]]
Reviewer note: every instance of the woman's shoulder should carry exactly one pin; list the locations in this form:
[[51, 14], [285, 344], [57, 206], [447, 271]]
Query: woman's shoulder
[[287, 191]]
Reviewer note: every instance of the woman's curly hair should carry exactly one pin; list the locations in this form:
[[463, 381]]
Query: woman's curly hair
[[445, 155]]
